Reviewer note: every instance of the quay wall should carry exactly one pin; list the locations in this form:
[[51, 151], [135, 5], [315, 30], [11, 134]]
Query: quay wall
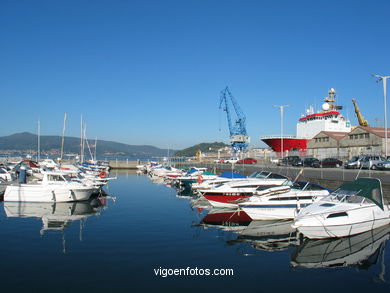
[[331, 177]]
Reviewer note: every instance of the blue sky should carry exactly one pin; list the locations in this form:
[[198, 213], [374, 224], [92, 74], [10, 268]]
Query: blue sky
[[150, 72]]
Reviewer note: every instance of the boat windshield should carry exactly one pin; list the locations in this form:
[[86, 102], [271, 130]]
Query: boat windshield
[[300, 185], [67, 178], [218, 185], [288, 183], [259, 174], [55, 177], [347, 196]]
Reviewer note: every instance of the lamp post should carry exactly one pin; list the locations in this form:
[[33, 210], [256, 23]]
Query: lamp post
[[281, 107], [384, 80]]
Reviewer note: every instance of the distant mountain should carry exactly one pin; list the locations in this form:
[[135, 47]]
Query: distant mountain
[[204, 147], [26, 141]]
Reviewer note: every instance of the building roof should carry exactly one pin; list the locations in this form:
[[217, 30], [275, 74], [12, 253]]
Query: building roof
[[378, 131], [333, 134]]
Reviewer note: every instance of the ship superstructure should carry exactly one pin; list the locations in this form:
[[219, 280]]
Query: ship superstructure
[[310, 124]]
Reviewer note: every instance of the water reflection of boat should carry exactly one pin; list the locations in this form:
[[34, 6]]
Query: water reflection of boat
[[55, 216], [200, 203], [270, 235], [227, 219], [360, 250]]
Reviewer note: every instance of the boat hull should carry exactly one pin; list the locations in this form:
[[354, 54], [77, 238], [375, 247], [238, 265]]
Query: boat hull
[[39, 193], [226, 201], [342, 230], [272, 211]]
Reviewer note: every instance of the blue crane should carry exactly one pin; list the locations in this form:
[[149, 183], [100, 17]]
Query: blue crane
[[237, 127]]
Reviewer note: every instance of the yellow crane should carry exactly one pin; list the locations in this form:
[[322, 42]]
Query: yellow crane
[[198, 155], [362, 121]]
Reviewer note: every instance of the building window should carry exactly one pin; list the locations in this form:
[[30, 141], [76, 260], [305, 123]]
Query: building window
[[367, 135], [350, 136], [361, 135], [356, 136]]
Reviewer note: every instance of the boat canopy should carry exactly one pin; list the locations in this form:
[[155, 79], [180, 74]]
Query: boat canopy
[[192, 170], [208, 173], [232, 175], [365, 187]]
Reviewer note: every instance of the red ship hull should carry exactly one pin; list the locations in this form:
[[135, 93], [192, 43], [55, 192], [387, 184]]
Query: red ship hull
[[289, 144]]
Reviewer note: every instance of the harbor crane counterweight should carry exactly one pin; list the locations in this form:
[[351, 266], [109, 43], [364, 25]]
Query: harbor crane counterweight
[[237, 126]]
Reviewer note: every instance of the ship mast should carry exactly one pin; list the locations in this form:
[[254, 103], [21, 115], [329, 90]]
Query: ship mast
[[330, 102]]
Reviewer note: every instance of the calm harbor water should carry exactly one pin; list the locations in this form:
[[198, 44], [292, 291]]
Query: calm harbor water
[[118, 245]]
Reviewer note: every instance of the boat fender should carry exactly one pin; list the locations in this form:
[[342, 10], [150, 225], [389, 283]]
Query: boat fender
[[199, 179], [102, 174]]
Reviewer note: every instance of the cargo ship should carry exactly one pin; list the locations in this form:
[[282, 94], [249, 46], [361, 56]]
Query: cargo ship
[[310, 124]]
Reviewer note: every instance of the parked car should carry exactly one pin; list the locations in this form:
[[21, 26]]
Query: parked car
[[328, 163], [354, 163], [221, 161], [289, 161], [384, 165], [309, 162], [247, 161], [231, 161], [372, 161]]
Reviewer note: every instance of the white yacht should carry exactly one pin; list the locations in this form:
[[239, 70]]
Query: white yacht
[[355, 207], [5, 175], [54, 187], [282, 202], [231, 193]]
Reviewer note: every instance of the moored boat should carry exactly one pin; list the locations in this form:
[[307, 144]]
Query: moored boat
[[54, 187], [231, 193], [282, 203], [355, 207]]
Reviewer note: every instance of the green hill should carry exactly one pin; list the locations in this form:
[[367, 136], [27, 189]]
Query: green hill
[[204, 147], [26, 141]]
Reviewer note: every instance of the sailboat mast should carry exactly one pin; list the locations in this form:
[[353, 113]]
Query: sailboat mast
[[81, 139], [95, 148], [63, 136], [86, 140], [39, 141]]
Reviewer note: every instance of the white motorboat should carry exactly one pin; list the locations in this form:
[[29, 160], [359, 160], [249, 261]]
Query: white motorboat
[[3, 186], [85, 178], [231, 193], [54, 187], [166, 172], [355, 207], [49, 164], [211, 183], [5, 175], [282, 202]]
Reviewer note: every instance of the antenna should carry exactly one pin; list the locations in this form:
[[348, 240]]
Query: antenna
[[384, 80], [281, 107]]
